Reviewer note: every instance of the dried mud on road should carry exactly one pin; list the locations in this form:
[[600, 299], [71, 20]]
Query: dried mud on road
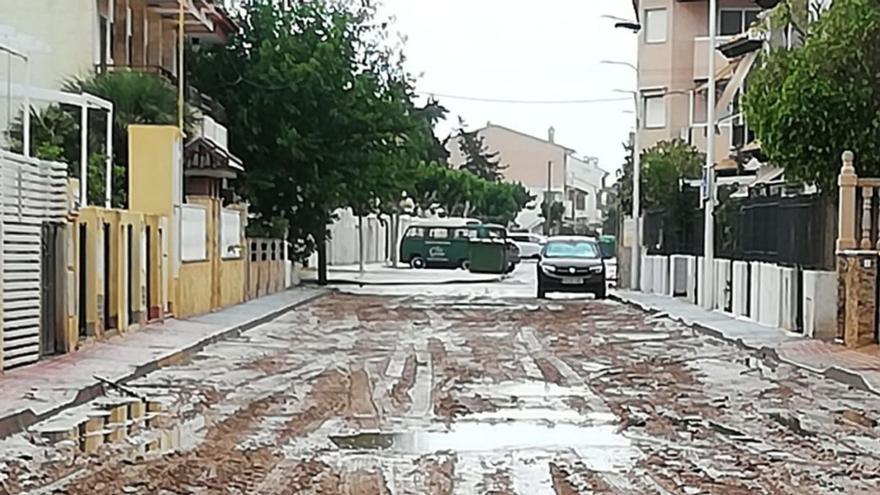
[[460, 395]]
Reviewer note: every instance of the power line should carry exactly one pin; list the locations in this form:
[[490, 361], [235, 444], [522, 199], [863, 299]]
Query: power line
[[524, 102]]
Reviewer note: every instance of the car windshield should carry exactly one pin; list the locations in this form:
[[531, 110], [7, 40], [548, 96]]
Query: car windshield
[[571, 249]]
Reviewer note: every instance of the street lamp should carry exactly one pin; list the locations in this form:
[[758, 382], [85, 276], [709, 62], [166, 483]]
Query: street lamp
[[635, 250]]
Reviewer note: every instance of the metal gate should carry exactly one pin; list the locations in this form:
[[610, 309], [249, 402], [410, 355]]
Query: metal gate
[[32, 192]]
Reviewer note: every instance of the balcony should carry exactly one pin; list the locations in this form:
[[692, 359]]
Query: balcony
[[701, 57], [203, 19]]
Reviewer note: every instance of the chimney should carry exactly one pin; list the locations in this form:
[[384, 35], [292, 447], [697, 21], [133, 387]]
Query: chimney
[[551, 134]]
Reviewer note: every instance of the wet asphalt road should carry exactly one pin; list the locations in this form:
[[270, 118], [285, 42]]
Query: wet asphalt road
[[478, 389]]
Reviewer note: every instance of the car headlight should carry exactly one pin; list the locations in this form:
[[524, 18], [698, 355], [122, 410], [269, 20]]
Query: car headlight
[[596, 269], [549, 268]]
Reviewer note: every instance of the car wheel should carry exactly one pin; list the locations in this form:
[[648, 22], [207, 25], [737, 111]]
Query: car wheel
[[601, 292], [417, 262], [542, 294], [465, 265]]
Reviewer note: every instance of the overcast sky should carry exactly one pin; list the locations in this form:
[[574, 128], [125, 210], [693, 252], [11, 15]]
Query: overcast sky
[[526, 50]]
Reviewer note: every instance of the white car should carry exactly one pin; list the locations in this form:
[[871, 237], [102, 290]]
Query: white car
[[529, 244]]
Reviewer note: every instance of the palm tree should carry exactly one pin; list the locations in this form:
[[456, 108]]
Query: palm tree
[[138, 98]]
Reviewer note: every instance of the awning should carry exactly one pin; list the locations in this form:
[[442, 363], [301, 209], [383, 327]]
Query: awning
[[204, 157]]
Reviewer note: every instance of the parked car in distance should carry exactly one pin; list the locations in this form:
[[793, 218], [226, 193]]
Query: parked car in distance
[[571, 264], [529, 244]]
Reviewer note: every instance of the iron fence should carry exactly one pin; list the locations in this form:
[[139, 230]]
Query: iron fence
[[786, 230]]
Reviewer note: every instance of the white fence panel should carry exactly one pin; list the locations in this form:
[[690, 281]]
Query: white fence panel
[[32, 192], [230, 234], [194, 233]]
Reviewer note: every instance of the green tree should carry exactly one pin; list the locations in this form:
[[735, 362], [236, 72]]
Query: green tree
[[663, 168], [552, 214], [478, 160], [809, 104], [319, 109], [462, 194]]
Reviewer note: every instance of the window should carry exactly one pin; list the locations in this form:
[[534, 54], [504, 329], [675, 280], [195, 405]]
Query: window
[[572, 249], [438, 233], [655, 26], [581, 200], [520, 238], [655, 111], [732, 22], [464, 233], [413, 232]]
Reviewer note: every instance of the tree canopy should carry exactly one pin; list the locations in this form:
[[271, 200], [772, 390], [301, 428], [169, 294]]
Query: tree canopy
[[809, 104], [478, 160], [461, 193], [319, 109]]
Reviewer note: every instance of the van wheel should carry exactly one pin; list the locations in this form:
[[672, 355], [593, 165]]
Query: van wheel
[[417, 262], [465, 265]]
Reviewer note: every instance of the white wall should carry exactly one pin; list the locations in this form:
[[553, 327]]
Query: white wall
[[741, 288], [59, 36], [343, 245], [770, 294], [194, 233], [585, 175], [820, 305]]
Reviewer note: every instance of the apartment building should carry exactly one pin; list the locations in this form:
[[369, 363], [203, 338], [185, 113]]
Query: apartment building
[[673, 72], [545, 168], [73, 38]]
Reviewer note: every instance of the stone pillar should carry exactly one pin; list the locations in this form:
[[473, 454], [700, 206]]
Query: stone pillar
[[856, 303], [848, 181]]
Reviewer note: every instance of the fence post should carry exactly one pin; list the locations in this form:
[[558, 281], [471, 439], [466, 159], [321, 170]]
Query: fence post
[[847, 181]]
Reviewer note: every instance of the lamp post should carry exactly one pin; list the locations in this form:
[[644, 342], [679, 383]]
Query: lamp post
[[709, 171], [635, 251]]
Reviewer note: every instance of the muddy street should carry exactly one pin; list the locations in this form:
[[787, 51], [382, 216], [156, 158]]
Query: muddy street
[[470, 394]]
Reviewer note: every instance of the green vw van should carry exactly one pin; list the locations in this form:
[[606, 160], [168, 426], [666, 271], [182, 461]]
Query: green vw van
[[444, 243]]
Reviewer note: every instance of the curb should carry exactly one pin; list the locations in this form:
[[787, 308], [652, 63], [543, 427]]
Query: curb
[[22, 420], [835, 373], [398, 283]]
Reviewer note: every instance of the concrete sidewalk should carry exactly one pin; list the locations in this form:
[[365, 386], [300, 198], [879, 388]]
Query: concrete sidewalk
[[381, 274], [858, 368], [33, 393]]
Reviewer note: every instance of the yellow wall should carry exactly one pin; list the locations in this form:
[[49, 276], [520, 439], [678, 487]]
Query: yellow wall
[[195, 289], [151, 168], [232, 282], [117, 222], [213, 283], [155, 182]]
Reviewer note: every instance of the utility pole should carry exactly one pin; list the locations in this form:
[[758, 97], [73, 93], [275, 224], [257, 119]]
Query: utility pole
[[709, 171], [636, 260], [548, 203]]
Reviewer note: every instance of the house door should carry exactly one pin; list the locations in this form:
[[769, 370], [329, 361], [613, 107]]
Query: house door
[[51, 288], [108, 315], [130, 271], [83, 281], [148, 241]]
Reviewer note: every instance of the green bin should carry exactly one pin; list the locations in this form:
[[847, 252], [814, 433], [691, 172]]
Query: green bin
[[488, 256]]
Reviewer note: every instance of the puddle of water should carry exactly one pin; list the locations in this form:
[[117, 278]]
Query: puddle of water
[[534, 389], [600, 447], [641, 336]]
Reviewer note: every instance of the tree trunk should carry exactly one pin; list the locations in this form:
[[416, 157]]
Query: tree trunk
[[322, 255], [361, 245]]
